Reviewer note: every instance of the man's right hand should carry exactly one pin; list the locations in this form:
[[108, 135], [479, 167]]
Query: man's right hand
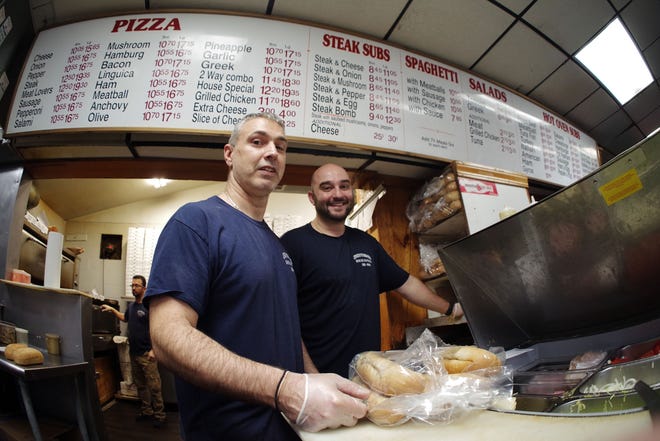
[[331, 401], [457, 313]]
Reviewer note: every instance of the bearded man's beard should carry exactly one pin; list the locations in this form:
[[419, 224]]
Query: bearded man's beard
[[323, 211]]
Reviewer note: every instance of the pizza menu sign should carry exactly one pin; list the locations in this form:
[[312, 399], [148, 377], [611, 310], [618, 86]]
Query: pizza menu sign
[[202, 72]]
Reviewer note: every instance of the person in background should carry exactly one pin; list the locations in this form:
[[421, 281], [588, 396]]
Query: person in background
[[144, 366], [341, 272], [224, 316]]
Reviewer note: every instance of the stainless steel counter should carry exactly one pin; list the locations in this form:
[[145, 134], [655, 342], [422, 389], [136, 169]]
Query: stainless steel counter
[[64, 386], [53, 366]]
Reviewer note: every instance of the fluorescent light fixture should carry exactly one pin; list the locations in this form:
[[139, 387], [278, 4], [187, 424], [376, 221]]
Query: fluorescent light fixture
[[158, 182], [614, 59]]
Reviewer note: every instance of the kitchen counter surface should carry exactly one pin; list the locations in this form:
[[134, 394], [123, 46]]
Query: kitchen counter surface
[[498, 426], [45, 288], [67, 313], [53, 366]]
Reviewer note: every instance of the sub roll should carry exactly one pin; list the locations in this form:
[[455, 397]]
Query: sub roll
[[458, 359], [378, 412], [28, 356], [387, 377], [11, 349]]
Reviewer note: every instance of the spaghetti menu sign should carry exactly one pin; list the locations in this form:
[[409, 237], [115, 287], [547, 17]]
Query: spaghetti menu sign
[[193, 72]]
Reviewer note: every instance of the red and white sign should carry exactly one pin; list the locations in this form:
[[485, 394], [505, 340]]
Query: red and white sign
[[477, 186]]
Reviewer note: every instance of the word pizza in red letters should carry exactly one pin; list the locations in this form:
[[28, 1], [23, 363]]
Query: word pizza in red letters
[[146, 24]]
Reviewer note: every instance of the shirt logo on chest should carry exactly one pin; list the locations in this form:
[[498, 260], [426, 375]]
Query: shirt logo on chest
[[288, 260], [362, 259]]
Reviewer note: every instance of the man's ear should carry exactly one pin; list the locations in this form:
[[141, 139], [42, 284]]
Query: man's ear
[[229, 150]]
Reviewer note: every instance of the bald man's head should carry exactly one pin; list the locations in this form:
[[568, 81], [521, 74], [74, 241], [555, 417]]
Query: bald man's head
[[331, 193]]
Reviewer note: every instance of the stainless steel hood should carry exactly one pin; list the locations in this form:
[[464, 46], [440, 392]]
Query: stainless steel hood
[[581, 268]]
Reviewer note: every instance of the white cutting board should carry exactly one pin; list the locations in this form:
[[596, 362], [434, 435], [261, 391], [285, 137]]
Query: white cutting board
[[498, 426]]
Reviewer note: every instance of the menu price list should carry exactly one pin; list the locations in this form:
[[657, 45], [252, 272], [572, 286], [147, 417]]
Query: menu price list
[[163, 79], [530, 153], [234, 79], [223, 92], [282, 83], [384, 102], [30, 101], [75, 79], [434, 107], [112, 90], [565, 154], [169, 76], [93, 86], [506, 132], [325, 85], [354, 91], [492, 134]]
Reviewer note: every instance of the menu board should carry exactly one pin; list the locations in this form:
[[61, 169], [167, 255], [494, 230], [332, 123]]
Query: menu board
[[194, 72]]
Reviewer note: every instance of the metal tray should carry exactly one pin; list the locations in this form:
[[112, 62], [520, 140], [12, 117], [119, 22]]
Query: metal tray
[[612, 403], [622, 377], [552, 383], [634, 351], [536, 403], [604, 403]]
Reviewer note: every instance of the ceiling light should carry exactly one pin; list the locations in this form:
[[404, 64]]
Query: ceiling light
[[617, 63], [158, 182]]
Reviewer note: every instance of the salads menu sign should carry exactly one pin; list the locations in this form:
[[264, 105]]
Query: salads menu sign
[[194, 72]]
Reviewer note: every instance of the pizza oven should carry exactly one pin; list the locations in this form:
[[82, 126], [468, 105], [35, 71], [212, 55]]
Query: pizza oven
[[104, 326]]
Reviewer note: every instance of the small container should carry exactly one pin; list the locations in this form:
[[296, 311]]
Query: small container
[[21, 276], [507, 212], [549, 382], [21, 335], [53, 344]]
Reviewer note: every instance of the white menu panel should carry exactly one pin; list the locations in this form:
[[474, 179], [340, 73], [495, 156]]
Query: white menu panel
[[434, 107], [175, 71], [353, 91], [202, 72]]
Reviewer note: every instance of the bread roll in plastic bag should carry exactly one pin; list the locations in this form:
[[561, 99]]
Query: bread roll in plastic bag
[[415, 384]]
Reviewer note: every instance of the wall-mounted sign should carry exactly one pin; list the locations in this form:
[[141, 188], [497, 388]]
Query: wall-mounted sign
[[478, 186], [193, 72]]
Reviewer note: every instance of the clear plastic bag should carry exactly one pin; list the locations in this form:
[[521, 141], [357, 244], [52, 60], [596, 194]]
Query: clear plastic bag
[[430, 259], [445, 396], [435, 201]]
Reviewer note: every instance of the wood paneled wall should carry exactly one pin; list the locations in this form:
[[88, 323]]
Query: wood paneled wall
[[390, 227]]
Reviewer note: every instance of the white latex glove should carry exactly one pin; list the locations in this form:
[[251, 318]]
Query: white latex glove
[[323, 401], [457, 313]]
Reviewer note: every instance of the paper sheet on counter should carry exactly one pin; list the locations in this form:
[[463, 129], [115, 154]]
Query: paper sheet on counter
[[498, 426]]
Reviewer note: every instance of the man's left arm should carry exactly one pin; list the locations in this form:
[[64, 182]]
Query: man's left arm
[[308, 363], [417, 292]]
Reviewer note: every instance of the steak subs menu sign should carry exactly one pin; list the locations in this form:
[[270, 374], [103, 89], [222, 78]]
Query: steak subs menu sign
[[196, 73]]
